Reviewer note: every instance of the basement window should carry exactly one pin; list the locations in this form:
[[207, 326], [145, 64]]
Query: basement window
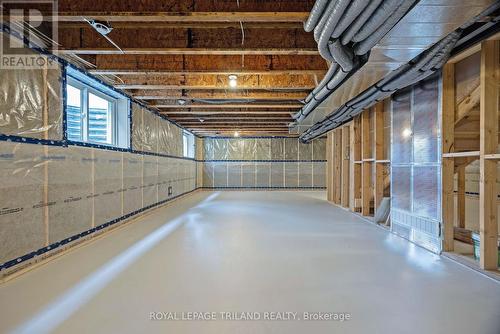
[[95, 113], [188, 144]]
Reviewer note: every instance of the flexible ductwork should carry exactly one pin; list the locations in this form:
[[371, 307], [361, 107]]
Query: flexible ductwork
[[419, 68], [345, 31]]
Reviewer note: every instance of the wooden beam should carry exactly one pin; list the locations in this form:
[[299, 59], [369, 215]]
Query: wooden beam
[[447, 164], [210, 63], [330, 180], [194, 73], [113, 16], [337, 165], [461, 197], [219, 86], [467, 105], [227, 106], [218, 95], [366, 166], [489, 82], [378, 114], [355, 155], [186, 51], [227, 112], [345, 166]]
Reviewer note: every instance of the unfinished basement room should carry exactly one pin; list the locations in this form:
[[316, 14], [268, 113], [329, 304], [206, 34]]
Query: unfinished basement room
[[250, 166]]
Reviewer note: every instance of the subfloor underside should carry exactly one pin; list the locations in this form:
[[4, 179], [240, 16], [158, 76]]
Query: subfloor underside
[[256, 252]]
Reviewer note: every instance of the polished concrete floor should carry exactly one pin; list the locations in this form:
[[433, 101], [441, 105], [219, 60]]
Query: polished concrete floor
[[256, 252]]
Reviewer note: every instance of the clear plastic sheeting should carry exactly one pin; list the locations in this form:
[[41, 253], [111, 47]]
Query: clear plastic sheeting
[[263, 149], [260, 174], [52, 193], [31, 103], [152, 133], [264, 163]]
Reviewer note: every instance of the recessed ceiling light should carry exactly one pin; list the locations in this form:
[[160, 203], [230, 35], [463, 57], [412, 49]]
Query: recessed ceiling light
[[236, 134]]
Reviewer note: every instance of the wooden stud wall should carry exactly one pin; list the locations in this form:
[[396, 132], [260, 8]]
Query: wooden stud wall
[[456, 155], [359, 162]]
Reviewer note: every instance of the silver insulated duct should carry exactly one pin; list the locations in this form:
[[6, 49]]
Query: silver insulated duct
[[346, 31]]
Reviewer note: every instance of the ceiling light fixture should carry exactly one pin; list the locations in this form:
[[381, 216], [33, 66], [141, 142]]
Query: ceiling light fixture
[[236, 134], [233, 81]]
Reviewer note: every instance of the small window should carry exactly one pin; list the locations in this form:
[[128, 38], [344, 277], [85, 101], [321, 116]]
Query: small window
[[93, 115], [188, 144]]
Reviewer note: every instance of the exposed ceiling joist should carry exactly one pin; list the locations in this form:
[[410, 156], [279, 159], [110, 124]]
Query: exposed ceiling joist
[[112, 16], [227, 106], [187, 51]]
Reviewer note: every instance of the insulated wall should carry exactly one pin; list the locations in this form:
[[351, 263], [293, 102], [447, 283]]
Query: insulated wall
[[263, 162], [415, 164], [54, 191]]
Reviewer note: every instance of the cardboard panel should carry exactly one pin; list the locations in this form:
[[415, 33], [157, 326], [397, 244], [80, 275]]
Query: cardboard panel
[[22, 229], [70, 187]]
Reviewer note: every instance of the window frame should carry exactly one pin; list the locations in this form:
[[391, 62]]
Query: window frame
[[85, 90], [190, 144]]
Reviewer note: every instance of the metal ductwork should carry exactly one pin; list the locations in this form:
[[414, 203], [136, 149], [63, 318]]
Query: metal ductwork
[[419, 68], [346, 31]]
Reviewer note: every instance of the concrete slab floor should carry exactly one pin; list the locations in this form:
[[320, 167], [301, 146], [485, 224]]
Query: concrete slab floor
[[250, 252]]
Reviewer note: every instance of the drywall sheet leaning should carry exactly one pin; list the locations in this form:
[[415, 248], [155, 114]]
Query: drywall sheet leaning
[[270, 162]]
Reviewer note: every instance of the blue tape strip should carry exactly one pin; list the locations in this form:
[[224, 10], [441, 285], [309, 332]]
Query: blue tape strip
[[27, 140], [63, 242]]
